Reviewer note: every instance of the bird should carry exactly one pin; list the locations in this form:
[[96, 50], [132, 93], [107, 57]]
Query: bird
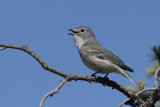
[[95, 56]]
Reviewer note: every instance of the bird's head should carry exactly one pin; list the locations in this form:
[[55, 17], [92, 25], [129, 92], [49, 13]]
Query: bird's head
[[83, 32]]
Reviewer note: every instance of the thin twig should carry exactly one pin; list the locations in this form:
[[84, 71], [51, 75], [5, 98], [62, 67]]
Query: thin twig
[[147, 89], [26, 44], [53, 92], [155, 78], [3, 48]]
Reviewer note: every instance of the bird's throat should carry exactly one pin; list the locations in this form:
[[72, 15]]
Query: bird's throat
[[78, 41]]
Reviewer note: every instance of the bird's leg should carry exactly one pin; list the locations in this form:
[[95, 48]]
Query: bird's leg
[[94, 74], [106, 75]]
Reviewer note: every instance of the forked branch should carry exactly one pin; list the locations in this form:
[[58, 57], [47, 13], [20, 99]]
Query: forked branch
[[53, 92], [148, 89]]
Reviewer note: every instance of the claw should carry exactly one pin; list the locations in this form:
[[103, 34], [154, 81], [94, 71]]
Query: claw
[[106, 75], [94, 74], [89, 82]]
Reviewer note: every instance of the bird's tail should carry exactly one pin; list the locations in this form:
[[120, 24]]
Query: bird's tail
[[125, 74]]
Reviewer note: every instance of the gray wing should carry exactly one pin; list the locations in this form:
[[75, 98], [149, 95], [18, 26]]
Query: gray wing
[[105, 54]]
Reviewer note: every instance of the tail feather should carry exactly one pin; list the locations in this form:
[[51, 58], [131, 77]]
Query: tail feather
[[125, 67], [125, 74], [132, 81]]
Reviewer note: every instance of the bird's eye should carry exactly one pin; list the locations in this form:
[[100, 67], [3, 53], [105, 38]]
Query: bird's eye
[[82, 30]]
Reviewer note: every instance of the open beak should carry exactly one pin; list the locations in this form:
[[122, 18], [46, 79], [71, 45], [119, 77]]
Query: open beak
[[73, 32]]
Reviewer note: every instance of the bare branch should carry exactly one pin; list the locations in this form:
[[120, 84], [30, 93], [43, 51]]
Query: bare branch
[[148, 89], [155, 78], [104, 81], [26, 44], [53, 92], [155, 95], [87, 78], [3, 48], [38, 58], [153, 98]]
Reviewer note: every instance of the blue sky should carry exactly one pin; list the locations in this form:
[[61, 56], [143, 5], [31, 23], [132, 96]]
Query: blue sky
[[127, 28]]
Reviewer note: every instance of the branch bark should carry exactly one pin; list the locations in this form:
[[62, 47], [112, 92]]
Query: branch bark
[[136, 101], [3, 49], [54, 91], [154, 97]]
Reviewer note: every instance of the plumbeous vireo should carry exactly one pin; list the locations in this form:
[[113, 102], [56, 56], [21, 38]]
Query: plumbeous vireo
[[95, 56]]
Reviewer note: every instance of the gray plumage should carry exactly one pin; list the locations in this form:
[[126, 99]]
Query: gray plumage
[[95, 56], [102, 53]]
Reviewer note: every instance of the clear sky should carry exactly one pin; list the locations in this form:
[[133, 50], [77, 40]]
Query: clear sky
[[127, 28]]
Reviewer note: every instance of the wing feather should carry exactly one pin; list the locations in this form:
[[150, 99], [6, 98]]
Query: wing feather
[[105, 54]]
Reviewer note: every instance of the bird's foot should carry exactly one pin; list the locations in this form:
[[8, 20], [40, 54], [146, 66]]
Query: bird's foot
[[106, 75], [89, 81], [94, 74]]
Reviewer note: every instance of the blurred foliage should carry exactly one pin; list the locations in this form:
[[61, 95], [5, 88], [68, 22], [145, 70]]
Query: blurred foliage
[[149, 73], [156, 51], [143, 95], [151, 70], [134, 90], [156, 58]]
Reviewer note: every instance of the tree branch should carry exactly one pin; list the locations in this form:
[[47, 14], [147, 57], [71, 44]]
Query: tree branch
[[87, 78], [3, 48], [155, 78], [154, 97], [53, 92], [148, 89], [104, 81], [38, 58]]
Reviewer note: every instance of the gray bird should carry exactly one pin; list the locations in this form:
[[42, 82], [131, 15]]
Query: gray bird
[[95, 56]]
